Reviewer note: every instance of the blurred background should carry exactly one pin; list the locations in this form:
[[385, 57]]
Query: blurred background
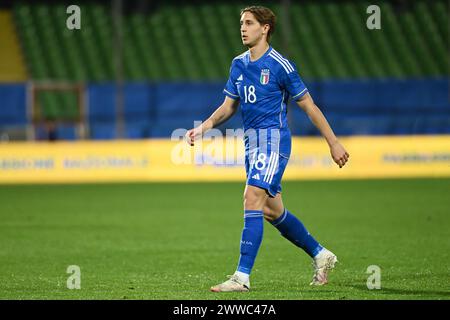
[[138, 70]]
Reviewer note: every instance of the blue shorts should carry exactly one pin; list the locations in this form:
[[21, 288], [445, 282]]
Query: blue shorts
[[265, 169]]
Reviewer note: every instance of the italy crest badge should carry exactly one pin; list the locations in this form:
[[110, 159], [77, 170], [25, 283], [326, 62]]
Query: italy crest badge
[[264, 79]]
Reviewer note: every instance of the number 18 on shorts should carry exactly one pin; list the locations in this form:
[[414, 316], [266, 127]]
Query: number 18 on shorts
[[265, 170]]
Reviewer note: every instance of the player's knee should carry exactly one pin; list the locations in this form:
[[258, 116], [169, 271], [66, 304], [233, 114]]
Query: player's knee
[[269, 214], [253, 200]]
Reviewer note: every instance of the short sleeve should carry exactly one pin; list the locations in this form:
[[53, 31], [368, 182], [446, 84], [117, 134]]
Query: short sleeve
[[292, 82], [230, 89]]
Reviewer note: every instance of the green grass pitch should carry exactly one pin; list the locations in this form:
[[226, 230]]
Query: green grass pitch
[[173, 241]]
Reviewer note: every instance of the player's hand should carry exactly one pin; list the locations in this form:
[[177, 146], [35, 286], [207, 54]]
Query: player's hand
[[193, 135], [339, 154]]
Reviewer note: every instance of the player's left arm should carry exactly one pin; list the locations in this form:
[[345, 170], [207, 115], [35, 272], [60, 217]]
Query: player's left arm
[[338, 152]]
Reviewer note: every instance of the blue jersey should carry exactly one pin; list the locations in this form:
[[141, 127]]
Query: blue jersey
[[263, 88]]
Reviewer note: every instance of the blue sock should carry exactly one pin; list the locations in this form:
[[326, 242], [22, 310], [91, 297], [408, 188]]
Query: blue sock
[[293, 229], [251, 239]]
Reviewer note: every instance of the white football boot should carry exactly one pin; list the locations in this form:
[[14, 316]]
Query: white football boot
[[234, 284], [323, 262]]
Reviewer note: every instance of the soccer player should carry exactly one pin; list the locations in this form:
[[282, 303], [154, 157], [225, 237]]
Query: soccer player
[[261, 80]]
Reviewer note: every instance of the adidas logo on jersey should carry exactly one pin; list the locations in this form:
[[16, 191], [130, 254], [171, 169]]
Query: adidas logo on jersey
[[240, 78], [256, 176]]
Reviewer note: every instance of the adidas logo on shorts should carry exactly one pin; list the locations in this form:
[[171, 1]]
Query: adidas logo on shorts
[[256, 176]]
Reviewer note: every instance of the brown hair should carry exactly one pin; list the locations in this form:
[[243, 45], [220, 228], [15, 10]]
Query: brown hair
[[264, 16]]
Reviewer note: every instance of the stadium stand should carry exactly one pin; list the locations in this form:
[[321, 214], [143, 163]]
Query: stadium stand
[[326, 46], [366, 82]]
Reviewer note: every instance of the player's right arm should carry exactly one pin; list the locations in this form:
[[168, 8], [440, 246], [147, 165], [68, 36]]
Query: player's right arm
[[226, 110]]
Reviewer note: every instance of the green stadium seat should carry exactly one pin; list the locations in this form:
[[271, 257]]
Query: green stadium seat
[[430, 31], [326, 39]]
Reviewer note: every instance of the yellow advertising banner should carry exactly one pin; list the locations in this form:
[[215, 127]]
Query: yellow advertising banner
[[217, 160]]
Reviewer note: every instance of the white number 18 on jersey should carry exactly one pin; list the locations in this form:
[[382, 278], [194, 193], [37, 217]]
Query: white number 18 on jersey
[[249, 95]]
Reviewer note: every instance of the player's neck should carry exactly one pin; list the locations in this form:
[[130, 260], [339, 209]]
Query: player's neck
[[258, 50]]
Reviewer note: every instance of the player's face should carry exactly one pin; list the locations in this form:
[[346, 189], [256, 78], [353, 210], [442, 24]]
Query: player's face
[[251, 30]]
